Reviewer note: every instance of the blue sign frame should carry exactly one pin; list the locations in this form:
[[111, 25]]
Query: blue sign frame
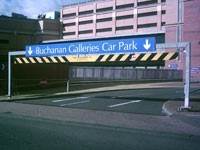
[[113, 46]]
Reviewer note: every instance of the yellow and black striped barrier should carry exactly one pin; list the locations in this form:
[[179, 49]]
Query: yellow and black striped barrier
[[138, 57]]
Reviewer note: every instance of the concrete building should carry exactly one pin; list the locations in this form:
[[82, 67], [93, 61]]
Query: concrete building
[[50, 15], [170, 21], [17, 31]]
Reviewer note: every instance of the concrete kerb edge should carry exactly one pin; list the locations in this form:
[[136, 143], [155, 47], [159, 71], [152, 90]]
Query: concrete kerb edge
[[73, 93]]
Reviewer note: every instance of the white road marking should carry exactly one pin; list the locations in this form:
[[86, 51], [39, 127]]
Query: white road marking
[[136, 94], [75, 103], [120, 104], [179, 91], [68, 99]]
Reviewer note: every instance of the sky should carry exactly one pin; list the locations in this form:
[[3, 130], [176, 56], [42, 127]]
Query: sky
[[32, 8]]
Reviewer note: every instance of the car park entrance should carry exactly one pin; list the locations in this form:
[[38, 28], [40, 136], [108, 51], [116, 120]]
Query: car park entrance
[[109, 58]]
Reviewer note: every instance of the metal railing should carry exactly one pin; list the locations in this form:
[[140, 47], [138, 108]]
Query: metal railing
[[122, 74]]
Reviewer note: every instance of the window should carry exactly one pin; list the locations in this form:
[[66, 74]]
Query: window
[[104, 19], [163, 23], [104, 30], [124, 28], [85, 22], [147, 2], [104, 9], [124, 17], [69, 15], [163, 11], [68, 33], [85, 32], [163, 1], [125, 6], [2, 41], [86, 12], [153, 13], [147, 25], [69, 24]]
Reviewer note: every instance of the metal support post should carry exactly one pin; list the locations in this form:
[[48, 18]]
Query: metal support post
[[9, 74], [187, 76], [67, 86], [10, 54], [187, 47]]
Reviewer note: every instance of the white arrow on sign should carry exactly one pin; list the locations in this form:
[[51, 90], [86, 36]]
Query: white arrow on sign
[[147, 45], [30, 51]]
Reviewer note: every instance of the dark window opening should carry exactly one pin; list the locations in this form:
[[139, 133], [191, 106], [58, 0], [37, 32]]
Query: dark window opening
[[153, 13], [86, 12], [124, 17], [124, 28], [104, 30], [163, 1], [69, 15], [85, 22], [104, 19], [4, 41], [104, 9], [147, 2], [69, 24], [163, 23], [68, 33], [147, 25], [125, 6], [85, 32], [163, 11]]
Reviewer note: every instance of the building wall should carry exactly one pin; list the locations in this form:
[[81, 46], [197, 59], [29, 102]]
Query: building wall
[[15, 33], [113, 17], [177, 19], [191, 32]]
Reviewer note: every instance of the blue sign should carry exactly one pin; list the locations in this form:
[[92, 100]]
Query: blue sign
[[130, 45], [174, 66]]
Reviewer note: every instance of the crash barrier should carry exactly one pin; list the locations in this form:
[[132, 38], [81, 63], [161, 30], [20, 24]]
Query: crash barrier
[[122, 74], [139, 57]]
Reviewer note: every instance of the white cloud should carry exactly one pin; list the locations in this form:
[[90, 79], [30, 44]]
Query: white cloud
[[32, 8]]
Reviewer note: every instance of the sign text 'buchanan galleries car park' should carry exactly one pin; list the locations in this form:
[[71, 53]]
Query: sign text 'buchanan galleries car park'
[[130, 45]]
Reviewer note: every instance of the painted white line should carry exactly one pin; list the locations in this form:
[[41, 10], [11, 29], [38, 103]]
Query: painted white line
[[179, 91], [136, 94], [68, 99], [120, 104], [81, 102]]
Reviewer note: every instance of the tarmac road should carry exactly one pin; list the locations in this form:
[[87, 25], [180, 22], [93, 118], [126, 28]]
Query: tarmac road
[[100, 120], [139, 101], [31, 133]]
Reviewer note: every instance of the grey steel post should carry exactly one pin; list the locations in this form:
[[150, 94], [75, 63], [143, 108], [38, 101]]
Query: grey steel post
[[187, 76], [187, 47], [10, 54], [67, 86], [9, 74]]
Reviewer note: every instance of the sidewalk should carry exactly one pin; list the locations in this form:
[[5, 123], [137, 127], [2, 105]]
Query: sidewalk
[[45, 93], [170, 107]]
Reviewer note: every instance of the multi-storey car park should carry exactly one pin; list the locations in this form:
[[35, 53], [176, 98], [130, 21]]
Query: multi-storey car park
[[168, 21]]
